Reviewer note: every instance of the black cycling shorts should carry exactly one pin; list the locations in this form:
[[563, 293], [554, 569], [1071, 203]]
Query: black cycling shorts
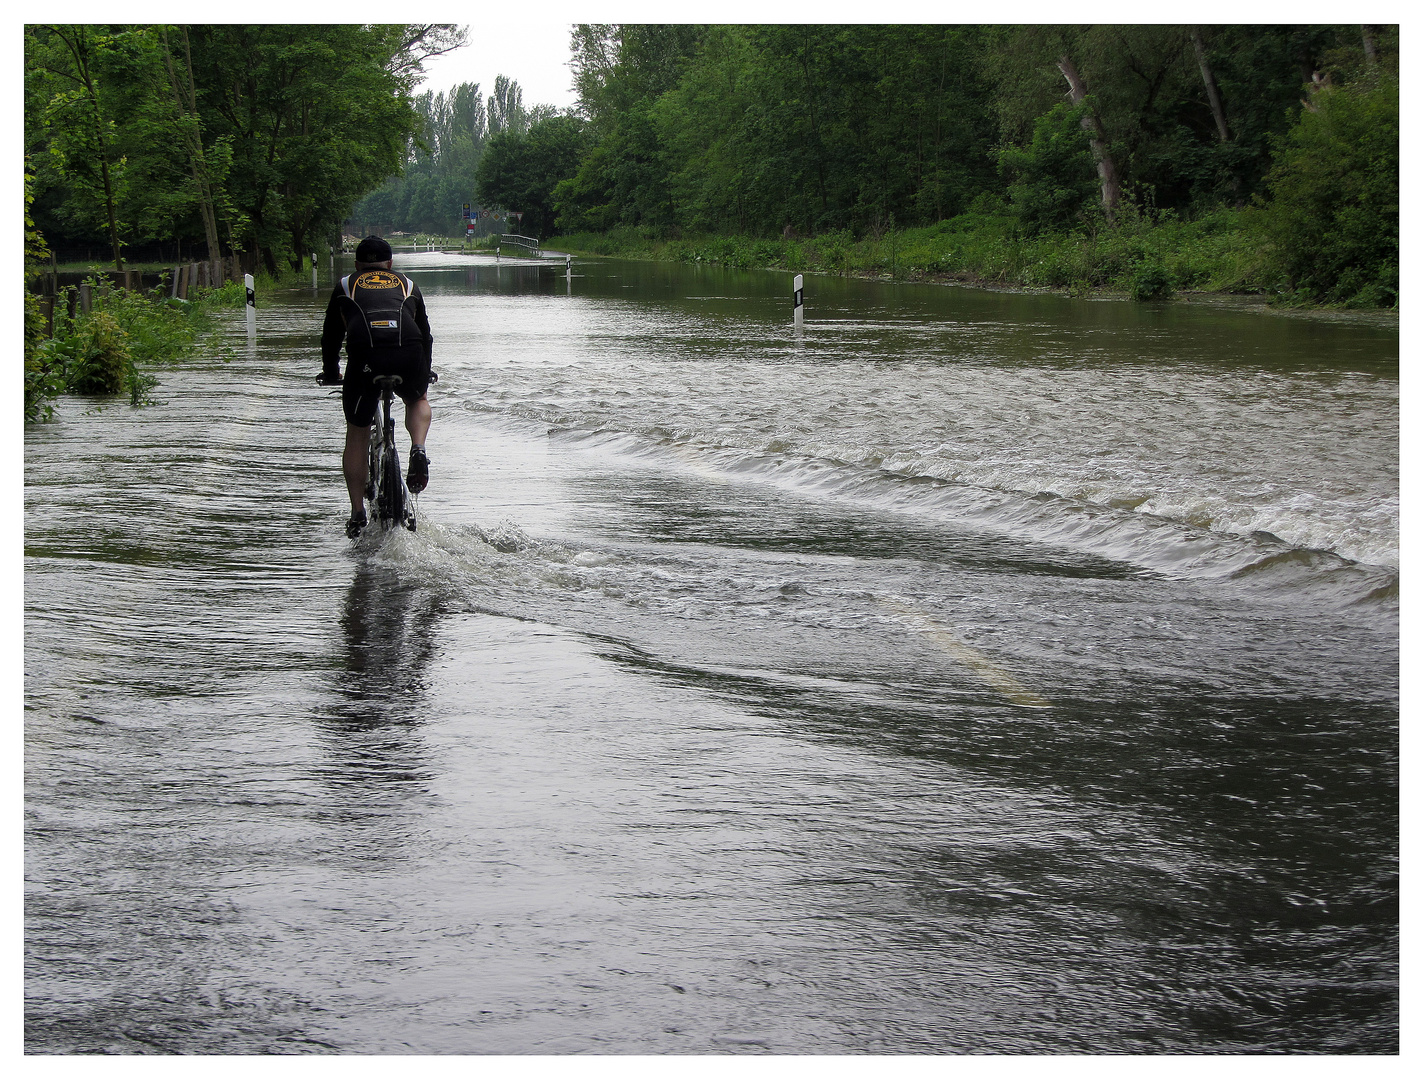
[[359, 396]]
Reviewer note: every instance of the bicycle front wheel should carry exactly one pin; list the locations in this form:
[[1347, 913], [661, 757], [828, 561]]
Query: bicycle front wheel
[[373, 465]]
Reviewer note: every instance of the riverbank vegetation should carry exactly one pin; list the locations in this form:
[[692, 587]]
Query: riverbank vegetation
[[1259, 159], [1146, 259]]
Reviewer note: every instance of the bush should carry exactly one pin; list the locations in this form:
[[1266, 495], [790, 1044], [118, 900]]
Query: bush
[[1053, 179], [1151, 282], [1333, 213], [42, 382], [228, 294], [1145, 258], [95, 355]]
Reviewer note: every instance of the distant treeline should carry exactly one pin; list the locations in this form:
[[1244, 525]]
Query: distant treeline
[[439, 175], [780, 131]]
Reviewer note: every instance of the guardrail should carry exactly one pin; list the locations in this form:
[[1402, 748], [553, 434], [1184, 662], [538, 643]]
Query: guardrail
[[521, 241]]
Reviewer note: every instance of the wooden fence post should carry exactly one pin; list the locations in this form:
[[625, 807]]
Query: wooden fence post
[[47, 306], [86, 298]]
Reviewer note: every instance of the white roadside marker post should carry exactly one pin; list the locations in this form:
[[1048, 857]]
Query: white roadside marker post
[[251, 306], [313, 258], [798, 300]]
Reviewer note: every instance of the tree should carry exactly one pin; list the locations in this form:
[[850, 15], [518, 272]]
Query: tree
[[506, 107], [521, 172], [316, 116], [269, 133], [620, 72], [81, 132], [180, 79]]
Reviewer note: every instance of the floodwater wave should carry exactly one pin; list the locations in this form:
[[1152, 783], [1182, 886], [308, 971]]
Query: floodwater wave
[[1252, 558]]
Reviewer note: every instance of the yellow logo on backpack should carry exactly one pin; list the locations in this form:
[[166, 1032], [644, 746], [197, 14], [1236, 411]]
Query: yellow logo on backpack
[[378, 279]]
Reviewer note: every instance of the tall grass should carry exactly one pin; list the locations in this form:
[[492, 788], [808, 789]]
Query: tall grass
[[1218, 252]]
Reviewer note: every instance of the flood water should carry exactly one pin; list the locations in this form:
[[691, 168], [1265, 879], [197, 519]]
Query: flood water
[[965, 672]]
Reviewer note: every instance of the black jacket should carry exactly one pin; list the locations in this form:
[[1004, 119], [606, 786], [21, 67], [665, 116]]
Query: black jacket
[[373, 310]]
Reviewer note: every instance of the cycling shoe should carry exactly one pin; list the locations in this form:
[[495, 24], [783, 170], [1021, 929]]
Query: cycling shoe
[[356, 524], [418, 475]]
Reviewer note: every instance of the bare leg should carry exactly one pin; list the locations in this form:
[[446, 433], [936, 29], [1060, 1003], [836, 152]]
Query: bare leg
[[417, 420], [353, 465]]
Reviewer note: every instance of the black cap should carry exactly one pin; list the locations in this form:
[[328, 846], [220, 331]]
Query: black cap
[[372, 250]]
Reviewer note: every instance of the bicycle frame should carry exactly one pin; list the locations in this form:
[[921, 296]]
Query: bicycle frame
[[385, 485]]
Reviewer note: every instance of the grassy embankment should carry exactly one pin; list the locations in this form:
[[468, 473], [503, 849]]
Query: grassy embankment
[[1218, 253]]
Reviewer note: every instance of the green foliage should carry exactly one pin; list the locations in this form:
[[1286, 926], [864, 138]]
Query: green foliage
[[95, 355], [111, 349], [762, 128], [799, 145], [230, 294], [1143, 259], [285, 128], [1333, 216], [1150, 281], [708, 141], [439, 172], [43, 382], [520, 172], [1054, 182]]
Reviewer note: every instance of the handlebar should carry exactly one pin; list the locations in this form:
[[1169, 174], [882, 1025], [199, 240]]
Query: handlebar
[[378, 380]]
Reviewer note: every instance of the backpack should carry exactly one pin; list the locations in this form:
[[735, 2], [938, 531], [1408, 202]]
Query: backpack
[[378, 315]]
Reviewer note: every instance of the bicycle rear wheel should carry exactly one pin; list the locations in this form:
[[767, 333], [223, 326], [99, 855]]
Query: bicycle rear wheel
[[390, 488]]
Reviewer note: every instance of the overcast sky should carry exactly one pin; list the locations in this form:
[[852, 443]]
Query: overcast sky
[[534, 54]]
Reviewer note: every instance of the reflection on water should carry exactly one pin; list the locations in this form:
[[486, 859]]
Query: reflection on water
[[973, 673], [376, 760]]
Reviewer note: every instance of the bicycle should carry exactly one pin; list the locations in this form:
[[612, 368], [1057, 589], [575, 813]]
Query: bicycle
[[391, 502]]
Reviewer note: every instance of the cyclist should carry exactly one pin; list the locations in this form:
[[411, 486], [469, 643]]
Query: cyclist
[[381, 316]]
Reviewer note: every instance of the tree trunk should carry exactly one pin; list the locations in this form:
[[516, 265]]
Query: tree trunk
[[192, 135], [1097, 140], [1213, 95], [1209, 80], [1371, 55]]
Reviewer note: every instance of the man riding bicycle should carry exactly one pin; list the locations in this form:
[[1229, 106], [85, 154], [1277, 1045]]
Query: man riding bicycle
[[381, 316]]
